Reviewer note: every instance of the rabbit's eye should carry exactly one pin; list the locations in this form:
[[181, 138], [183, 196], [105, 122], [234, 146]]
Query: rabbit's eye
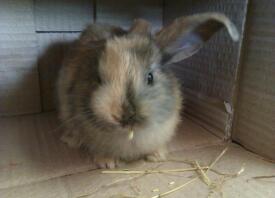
[[150, 79]]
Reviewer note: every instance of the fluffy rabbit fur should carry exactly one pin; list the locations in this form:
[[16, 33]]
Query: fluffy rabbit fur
[[116, 81]]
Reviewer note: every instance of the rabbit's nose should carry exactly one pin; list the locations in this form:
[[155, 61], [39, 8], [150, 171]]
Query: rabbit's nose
[[128, 118]]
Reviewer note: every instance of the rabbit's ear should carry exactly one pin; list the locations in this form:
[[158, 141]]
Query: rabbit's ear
[[186, 35], [140, 26]]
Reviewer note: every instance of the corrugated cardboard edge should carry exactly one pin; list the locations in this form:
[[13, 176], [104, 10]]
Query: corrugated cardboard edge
[[232, 116], [248, 141]]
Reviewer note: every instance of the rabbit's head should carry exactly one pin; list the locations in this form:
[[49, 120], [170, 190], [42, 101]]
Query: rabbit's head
[[135, 88]]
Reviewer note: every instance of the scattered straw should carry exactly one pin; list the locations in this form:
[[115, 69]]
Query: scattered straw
[[202, 171], [192, 180]]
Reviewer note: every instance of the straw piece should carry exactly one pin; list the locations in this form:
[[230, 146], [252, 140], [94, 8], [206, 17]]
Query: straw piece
[[203, 175], [131, 135], [124, 196], [151, 171], [171, 183], [111, 184], [240, 171], [264, 177], [217, 159], [189, 162], [222, 174], [175, 189], [217, 187]]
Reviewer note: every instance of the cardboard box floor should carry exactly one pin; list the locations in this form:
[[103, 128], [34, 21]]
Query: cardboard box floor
[[34, 163]]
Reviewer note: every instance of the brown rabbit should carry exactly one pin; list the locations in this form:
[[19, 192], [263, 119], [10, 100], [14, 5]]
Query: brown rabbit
[[116, 96]]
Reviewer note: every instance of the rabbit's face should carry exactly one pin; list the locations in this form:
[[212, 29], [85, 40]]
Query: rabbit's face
[[133, 90]]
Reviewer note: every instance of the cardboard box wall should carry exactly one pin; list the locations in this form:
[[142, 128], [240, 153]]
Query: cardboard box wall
[[34, 35], [28, 27], [229, 87]]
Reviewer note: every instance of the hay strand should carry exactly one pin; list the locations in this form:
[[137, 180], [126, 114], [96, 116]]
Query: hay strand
[[217, 159], [264, 177], [203, 175], [151, 171]]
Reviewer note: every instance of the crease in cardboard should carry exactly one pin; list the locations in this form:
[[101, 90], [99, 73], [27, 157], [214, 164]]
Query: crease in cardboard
[[229, 121]]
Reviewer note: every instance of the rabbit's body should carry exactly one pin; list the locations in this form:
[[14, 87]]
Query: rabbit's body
[[114, 84]]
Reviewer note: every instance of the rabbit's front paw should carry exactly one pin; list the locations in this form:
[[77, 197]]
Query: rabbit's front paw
[[158, 156], [105, 162], [71, 140]]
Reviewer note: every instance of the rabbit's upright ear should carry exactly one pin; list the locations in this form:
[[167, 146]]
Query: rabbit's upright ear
[[140, 26], [186, 35]]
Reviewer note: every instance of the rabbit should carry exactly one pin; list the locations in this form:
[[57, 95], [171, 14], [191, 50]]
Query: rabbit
[[116, 96]]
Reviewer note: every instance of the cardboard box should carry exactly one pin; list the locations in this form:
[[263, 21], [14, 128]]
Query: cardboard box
[[229, 98]]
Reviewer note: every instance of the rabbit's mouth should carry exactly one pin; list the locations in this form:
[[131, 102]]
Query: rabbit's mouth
[[125, 122], [131, 121]]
